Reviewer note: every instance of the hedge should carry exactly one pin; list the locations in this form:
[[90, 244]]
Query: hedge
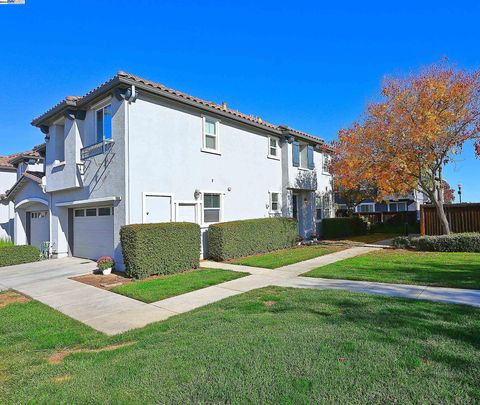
[[384, 227], [11, 255], [333, 228], [458, 242], [229, 240], [164, 248]]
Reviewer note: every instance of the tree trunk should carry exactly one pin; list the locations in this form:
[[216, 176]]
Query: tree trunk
[[441, 214]]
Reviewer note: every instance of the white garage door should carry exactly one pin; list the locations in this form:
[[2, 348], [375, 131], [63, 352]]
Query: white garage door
[[39, 228], [93, 232]]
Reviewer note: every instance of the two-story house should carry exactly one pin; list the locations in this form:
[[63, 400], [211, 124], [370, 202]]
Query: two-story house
[[7, 180], [27, 196], [134, 151]]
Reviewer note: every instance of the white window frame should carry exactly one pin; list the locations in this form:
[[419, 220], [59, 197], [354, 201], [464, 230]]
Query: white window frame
[[279, 202], [202, 207], [357, 209], [303, 147], [325, 158], [396, 203], [101, 106], [277, 148], [204, 148]]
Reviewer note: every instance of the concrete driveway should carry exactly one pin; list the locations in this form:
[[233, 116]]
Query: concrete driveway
[[48, 282]]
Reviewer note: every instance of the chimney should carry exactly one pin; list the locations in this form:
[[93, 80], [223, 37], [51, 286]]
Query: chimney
[[224, 105]]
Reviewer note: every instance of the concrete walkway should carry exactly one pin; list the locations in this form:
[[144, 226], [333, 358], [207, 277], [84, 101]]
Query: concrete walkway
[[49, 282]]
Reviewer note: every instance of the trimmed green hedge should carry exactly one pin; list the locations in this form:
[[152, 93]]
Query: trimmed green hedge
[[11, 255], [457, 242], [333, 228], [381, 227], [230, 240], [164, 248]]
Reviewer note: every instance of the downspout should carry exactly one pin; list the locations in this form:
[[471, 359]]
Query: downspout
[[130, 98]]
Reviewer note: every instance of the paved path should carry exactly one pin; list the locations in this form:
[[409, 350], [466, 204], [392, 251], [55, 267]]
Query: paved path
[[49, 282]]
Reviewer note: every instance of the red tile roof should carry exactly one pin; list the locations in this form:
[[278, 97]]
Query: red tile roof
[[157, 88]]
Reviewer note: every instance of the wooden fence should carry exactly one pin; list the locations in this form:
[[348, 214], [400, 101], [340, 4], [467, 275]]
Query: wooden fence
[[461, 217], [398, 218]]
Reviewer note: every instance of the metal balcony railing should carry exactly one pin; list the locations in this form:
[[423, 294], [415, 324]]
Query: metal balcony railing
[[96, 149]]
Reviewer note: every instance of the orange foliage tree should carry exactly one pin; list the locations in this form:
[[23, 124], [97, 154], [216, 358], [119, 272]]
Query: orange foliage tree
[[405, 139]]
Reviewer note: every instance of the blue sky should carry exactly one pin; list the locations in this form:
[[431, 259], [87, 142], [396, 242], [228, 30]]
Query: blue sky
[[310, 65]]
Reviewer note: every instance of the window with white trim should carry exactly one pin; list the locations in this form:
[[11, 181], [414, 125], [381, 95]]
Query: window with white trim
[[273, 148], [104, 123], [304, 156], [367, 207], [397, 206], [326, 163], [39, 214], [211, 208], [274, 202], [210, 134]]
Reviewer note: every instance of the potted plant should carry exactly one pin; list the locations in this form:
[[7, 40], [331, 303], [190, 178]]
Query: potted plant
[[105, 264]]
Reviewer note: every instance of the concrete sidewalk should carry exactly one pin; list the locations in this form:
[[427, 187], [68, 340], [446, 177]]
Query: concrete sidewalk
[[49, 282]]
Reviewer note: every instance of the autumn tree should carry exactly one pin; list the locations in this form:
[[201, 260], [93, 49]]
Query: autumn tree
[[448, 193], [405, 140]]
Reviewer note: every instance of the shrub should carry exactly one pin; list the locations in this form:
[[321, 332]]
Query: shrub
[[333, 228], [402, 242], [11, 255], [385, 227], [459, 242], [230, 240], [105, 262], [163, 248]]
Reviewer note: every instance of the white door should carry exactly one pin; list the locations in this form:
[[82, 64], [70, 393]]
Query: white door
[[158, 208], [93, 232], [39, 228]]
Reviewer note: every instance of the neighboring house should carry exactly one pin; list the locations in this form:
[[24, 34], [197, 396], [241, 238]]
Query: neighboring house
[[28, 196], [134, 151], [410, 202], [8, 176]]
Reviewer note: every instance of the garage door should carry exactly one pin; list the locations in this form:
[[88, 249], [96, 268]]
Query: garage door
[[39, 228], [93, 232]]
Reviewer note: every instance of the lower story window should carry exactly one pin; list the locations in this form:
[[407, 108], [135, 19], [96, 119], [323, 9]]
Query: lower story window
[[39, 214], [397, 207], [274, 202], [211, 208], [366, 208]]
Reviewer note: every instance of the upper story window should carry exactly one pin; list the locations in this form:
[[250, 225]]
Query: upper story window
[[104, 123], [326, 163], [366, 207], [210, 135], [211, 208], [302, 155], [273, 149], [397, 206]]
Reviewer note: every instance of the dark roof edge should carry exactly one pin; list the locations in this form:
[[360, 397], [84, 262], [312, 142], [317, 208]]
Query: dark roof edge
[[25, 176]]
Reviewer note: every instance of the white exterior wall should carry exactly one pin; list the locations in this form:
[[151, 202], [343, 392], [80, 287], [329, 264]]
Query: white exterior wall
[[165, 157], [7, 213]]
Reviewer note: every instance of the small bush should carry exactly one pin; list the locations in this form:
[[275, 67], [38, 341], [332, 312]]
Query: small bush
[[164, 248], [230, 240], [333, 228], [385, 227], [11, 255], [459, 242]]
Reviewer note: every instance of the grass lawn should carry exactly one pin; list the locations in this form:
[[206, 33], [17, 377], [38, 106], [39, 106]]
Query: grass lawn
[[371, 238], [277, 346], [285, 257], [461, 270], [168, 286]]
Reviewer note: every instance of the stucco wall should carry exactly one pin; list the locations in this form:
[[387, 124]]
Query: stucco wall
[[7, 215]]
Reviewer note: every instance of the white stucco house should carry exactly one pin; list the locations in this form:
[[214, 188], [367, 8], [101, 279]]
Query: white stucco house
[[26, 196], [8, 177], [134, 151]]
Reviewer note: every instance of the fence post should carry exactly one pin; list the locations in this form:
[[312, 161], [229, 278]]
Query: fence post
[[422, 220]]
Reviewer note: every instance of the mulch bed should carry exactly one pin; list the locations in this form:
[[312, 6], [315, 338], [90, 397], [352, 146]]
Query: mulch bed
[[106, 282]]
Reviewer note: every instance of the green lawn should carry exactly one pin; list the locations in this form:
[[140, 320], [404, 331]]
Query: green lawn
[[269, 346], [460, 270], [371, 238], [285, 257], [168, 286]]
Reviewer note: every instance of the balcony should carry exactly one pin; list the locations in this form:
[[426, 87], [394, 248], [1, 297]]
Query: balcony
[[96, 149]]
